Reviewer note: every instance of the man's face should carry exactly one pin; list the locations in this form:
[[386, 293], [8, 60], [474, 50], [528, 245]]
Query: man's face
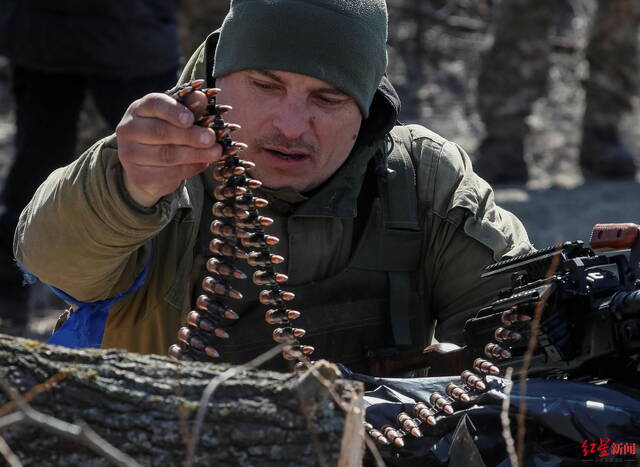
[[299, 129]]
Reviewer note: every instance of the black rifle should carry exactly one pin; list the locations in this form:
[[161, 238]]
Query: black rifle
[[589, 300]]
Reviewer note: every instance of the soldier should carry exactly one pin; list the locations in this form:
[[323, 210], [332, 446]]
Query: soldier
[[384, 227], [515, 72]]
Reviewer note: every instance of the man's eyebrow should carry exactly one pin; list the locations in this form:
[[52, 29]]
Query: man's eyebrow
[[327, 90], [334, 91], [271, 75]]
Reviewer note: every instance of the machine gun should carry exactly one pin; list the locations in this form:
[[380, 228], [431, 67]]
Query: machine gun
[[589, 302], [588, 299], [572, 312]]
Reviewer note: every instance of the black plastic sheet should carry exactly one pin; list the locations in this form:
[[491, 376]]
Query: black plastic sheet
[[560, 417]]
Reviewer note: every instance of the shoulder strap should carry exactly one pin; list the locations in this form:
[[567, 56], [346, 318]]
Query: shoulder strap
[[399, 204], [400, 212]]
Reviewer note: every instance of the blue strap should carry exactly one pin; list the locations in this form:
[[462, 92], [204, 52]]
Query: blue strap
[[85, 326]]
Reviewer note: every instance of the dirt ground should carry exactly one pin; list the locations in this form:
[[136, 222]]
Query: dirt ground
[[437, 84]]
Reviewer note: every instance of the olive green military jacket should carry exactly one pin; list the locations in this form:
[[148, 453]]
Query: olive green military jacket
[[83, 234]]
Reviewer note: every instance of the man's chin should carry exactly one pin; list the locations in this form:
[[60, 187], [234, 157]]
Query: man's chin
[[283, 179], [279, 181], [284, 186]]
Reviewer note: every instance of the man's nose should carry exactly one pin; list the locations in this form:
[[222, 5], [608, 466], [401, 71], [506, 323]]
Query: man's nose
[[292, 118]]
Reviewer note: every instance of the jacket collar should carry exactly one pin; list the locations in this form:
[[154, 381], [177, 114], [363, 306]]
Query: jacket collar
[[338, 196]]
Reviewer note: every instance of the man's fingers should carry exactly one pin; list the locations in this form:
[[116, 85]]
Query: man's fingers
[[157, 105], [161, 179], [196, 102], [154, 131], [168, 155], [159, 146]]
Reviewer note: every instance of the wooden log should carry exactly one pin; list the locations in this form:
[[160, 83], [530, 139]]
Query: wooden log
[[145, 406]]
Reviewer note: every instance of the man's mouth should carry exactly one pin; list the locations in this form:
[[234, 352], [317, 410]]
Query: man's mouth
[[288, 155]]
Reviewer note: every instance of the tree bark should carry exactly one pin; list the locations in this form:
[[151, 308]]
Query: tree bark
[[145, 405]]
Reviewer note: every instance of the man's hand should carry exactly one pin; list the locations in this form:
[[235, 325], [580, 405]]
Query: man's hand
[[159, 146]]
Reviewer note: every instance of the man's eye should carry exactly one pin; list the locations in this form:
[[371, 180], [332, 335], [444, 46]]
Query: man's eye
[[328, 100], [262, 85]]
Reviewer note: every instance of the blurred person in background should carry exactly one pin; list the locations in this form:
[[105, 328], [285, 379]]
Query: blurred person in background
[[59, 52], [514, 75]]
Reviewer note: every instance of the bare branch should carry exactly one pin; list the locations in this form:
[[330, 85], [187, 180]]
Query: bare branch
[[8, 454], [81, 432], [192, 444], [344, 405], [307, 411], [12, 419], [526, 363], [375, 452], [353, 435], [504, 419], [34, 391]]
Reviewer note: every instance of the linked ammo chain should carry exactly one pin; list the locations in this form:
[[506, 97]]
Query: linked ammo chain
[[238, 233]]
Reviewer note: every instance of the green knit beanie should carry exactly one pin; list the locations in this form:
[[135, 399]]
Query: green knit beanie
[[341, 42]]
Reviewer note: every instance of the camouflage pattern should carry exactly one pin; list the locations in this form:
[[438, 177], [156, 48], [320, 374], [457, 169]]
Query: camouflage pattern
[[515, 70]]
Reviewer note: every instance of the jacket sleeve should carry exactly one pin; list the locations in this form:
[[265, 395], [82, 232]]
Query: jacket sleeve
[[464, 232], [82, 233]]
